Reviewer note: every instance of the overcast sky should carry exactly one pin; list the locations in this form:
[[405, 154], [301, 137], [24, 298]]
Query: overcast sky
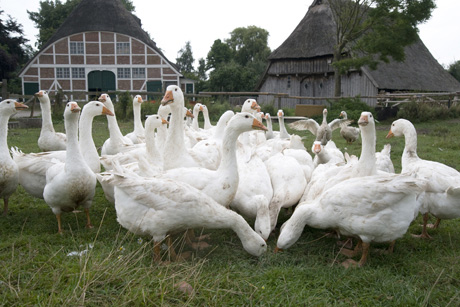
[[203, 21]]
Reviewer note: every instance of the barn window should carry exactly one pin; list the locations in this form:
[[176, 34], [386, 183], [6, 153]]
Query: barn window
[[124, 73], [306, 86], [288, 81], [78, 73], [77, 48], [123, 48], [138, 72], [62, 72]]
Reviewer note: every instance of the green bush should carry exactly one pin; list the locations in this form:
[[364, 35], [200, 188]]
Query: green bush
[[418, 112], [124, 106]]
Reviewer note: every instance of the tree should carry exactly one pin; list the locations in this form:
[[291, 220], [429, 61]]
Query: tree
[[454, 70], [371, 31], [185, 59], [238, 62], [219, 54], [52, 14], [13, 48]]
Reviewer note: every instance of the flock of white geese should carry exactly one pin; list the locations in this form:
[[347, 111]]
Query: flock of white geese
[[175, 176]]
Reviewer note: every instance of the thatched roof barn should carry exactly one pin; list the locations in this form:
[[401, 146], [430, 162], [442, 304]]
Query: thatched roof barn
[[301, 66], [101, 46]]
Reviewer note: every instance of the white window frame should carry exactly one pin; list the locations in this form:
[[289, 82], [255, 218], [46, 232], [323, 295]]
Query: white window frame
[[77, 48], [138, 73], [123, 48], [124, 73], [78, 73], [62, 73]]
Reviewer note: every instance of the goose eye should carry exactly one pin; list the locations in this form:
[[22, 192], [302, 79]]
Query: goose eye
[[246, 116], [97, 104], [7, 102]]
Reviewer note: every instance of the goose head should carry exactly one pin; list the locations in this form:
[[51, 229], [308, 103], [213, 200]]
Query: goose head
[[107, 101], [42, 96], [95, 108], [188, 113], [138, 99], [398, 128], [173, 96], [197, 108], [10, 107], [343, 114], [244, 121], [153, 122], [366, 119], [71, 111], [164, 111], [250, 106], [317, 147]]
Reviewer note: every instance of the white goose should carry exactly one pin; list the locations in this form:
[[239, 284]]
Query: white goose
[[221, 184], [9, 169], [145, 160], [158, 207], [442, 196], [70, 184], [323, 132], [138, 135], [49, 139], [207, 121], [349, 133], [365, 166], [175, 153], [378, 209], [383, 160], [33, 166], [250, 106], [288, 181], [328, 153], [116, 141], [283, 132]]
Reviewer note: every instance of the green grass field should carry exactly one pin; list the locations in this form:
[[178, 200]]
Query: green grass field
[[113, 266]]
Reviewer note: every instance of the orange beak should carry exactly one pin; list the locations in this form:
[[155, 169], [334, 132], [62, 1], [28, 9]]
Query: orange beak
[[140, 99], [317, 148], [257, 125], [390, 134], [168, 98], [20, 106], [75, 108], [189, 114], [363, 120], [102, 99], [254, 105], [201, 108], [278, 250], [106, 111], [39, 94], [164, 121]]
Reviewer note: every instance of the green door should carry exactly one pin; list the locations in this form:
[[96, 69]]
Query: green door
[[101, 81], [30, 88], [189, 88], [154, 86]]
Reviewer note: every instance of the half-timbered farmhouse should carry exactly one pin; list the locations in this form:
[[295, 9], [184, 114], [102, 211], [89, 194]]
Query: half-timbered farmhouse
[[101, 47], [301, 66]]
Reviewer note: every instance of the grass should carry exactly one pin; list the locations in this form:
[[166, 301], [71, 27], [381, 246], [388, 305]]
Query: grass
[[116, 267]]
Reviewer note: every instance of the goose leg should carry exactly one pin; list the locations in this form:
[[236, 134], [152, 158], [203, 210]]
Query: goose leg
[[58, 217], [435, 225], [193, 242], [88, 220], [424, 234], [391, 247], [363, 259], [156, 251], [351, 253], [5, 206]]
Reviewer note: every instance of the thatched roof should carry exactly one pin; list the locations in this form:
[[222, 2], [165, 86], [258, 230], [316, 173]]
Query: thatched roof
[[103, 15], [314, 37]]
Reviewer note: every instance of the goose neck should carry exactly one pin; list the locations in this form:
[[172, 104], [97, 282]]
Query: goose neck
[[71, 128], [367, 157], [138, 128], [47, 123], [4, 135], [410, 148]]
